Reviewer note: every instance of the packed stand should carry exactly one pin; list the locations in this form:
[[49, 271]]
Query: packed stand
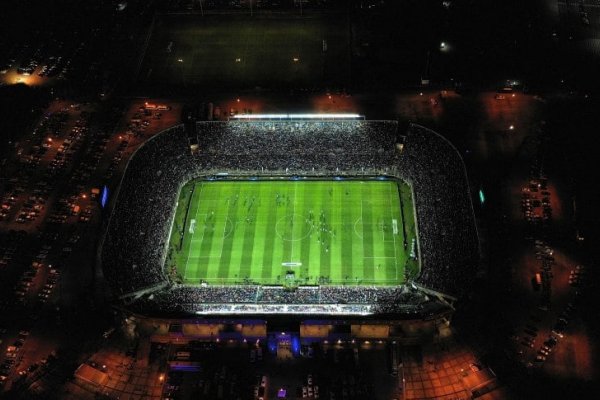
[[254, 299], [298, 146], [134, 253], [133, 250], [448, 243]]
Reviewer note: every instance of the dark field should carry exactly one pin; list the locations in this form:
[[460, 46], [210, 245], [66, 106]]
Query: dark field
[[245, 52]]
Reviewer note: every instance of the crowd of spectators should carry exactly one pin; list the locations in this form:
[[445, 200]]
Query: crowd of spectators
[[297, 138], [134, 248], [448, 242], [299, 146], [256, 299]]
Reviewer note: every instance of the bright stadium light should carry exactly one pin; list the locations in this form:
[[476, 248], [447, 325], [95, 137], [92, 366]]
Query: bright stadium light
[[297, 116]]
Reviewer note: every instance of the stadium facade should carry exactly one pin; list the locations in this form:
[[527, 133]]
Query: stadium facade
[[134, 250]]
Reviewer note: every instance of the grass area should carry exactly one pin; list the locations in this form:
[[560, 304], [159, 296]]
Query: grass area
[[243, 52], [294, 232]]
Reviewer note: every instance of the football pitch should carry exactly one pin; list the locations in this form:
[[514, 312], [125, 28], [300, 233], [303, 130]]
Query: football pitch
[[239, 51], [294, 232]]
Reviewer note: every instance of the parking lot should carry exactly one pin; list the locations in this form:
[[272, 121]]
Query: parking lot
[[49, 217]]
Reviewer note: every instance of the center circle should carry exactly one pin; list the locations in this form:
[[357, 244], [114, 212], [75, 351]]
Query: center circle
[[228, 228], [358, 220], [287, 224]]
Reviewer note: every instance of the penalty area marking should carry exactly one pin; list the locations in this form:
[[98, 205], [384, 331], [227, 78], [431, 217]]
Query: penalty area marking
[[395, 257], [187, 261], [390, 196], [225, 234]]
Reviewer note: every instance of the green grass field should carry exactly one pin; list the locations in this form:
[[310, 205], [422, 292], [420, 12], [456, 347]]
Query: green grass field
[[240, 51], [326, 232]]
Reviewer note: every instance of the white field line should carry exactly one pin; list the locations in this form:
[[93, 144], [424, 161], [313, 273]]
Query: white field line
[[394, 236], [293, 213], [379, 257], [192, 238]]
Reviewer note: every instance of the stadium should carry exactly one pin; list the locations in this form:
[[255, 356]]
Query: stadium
[[321, 218]]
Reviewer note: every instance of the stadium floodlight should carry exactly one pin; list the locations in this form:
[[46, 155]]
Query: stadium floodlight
[[104, 196], [298, 116]]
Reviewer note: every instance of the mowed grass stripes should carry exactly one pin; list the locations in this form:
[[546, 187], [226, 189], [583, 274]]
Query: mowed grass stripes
[[293, 232]]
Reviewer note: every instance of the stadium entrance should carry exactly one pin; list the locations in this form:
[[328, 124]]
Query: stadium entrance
[[286, 345]]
